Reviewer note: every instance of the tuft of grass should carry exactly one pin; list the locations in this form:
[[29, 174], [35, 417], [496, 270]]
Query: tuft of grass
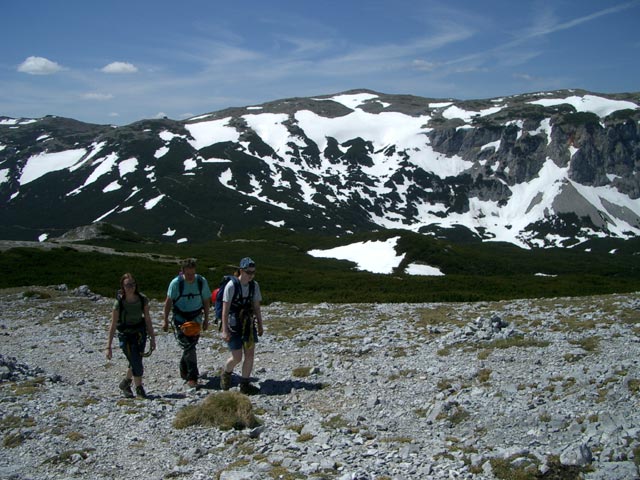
[[66, 456], [589, 344], [336, 422], [301, 372], [633, 385], [281, 473], [36, 294], [75, 436], [28, 387], [13, 440], [11, 422], [484, 375], [520, 342], [225, 410], [304, 437]]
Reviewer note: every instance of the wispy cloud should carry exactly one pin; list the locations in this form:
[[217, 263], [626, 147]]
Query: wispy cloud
[[39, 66], [547, 28], [513, 52]]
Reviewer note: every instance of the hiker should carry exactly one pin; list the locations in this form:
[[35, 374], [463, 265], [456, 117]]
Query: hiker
[[188, 297], [241, 324], [130, 317]]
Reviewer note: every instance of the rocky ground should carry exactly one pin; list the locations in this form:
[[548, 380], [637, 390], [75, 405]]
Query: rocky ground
[[538, 388]]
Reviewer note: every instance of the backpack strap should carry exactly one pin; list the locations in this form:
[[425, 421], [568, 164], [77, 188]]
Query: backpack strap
[[122, 312], [238, 300], [181, 288], [194, 313]]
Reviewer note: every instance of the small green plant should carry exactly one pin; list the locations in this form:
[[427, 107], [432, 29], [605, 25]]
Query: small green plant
[[633, 385], [226, 410]]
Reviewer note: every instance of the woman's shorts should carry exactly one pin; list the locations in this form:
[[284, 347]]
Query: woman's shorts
[[235, 342]]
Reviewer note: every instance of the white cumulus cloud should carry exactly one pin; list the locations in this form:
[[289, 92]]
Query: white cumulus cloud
[[39, 66], [120, 67]]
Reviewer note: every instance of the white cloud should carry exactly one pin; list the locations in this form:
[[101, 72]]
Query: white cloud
[[39, 66], [120, 67], [97, 96]]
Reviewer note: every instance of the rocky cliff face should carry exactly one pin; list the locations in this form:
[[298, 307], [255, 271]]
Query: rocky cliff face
[[552, 168], [520, 389]]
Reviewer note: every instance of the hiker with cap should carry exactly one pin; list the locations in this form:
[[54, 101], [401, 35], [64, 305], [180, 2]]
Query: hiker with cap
[[188, 297], [130, 317], [241, 325]]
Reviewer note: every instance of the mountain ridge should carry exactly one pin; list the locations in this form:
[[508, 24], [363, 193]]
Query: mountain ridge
[[537, 170]]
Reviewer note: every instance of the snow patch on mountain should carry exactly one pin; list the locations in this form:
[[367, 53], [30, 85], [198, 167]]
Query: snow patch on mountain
[[214, 131], [372, 256], [39, 165], [149, 204], [589, 103], [104, 166]]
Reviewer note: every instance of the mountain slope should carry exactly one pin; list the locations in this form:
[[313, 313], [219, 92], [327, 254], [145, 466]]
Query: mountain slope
[[545, 169]]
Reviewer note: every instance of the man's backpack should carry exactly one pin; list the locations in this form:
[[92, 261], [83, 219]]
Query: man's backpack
[[193, 313], [237, 300], [128, 324]]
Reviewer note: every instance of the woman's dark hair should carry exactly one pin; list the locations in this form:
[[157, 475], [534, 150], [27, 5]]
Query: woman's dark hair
[[124, 278]]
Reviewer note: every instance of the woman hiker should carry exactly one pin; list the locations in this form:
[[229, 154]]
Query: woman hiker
[[130, 317], [241, 324]]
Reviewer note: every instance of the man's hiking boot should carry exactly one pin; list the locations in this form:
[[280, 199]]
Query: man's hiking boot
[[140, 393], [125, 386], [225, 380], [249, 389]]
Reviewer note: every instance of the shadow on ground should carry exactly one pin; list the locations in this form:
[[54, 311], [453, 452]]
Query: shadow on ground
[[267, 387]]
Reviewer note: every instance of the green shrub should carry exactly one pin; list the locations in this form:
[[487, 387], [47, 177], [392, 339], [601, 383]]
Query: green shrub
[[225, 410]]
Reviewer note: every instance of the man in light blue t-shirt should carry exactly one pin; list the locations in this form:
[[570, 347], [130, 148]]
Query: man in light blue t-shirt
[[189, 298]]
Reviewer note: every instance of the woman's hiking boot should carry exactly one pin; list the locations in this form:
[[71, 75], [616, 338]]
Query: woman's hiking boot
[[140, 393], [192, 383], [249, 389], [225, 380], [125, 386]]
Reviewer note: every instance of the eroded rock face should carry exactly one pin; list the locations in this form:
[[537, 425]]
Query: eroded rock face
[[362, 391]]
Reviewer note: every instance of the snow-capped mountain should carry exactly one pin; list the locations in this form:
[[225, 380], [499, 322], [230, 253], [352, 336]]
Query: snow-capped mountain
[[544, 169]]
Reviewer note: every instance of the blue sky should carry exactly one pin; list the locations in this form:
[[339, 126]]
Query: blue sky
[[120, 61]]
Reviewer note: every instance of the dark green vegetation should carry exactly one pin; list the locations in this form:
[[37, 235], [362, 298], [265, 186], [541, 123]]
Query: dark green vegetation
[[474, 271]]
